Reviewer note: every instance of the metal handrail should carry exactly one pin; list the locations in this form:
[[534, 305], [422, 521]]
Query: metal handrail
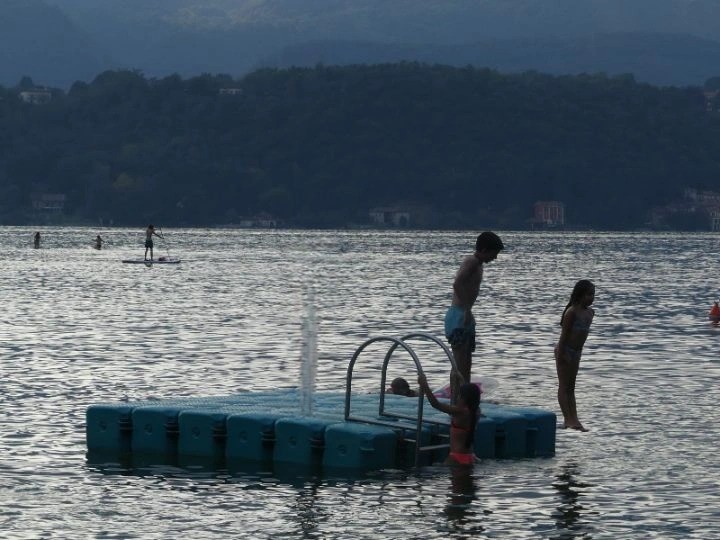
[[395, 343], [348, 384], [423, 335]]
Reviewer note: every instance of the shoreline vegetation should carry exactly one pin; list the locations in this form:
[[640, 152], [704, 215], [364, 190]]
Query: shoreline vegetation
[[358, 228], [442, 147]]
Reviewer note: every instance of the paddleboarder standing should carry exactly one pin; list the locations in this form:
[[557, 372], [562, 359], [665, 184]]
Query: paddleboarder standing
[[149, 232]]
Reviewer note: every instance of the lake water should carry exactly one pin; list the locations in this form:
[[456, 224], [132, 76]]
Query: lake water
[[78, 327]]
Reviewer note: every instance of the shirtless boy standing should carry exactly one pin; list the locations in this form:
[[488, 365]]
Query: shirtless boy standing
[[459, 320]]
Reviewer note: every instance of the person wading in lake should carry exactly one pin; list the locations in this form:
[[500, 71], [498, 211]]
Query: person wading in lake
[[459, 320], [463, 420]]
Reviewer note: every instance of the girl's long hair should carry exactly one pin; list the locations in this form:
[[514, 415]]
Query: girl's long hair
[[470, 394], [581, 287]]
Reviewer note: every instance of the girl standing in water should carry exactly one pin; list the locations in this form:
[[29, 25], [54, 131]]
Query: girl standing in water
[[575, 323], [463, 419]]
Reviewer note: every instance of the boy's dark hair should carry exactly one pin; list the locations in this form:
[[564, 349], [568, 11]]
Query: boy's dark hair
[[488, 241]]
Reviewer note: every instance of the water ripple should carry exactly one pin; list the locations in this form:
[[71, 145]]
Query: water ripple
[[80, 328]]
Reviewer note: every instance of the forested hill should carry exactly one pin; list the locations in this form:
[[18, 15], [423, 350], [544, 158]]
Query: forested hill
[[658, 59], [321, 146]]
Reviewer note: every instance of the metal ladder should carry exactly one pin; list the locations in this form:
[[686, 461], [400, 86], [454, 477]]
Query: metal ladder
[[419, 421]]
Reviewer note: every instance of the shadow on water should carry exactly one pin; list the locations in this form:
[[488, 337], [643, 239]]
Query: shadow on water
[[459, 510], [295, 475], [308, 514], [145, 465], [570, 511]]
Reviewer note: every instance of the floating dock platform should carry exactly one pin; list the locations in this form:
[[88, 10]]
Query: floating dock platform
[[266, 428], [358, 431]]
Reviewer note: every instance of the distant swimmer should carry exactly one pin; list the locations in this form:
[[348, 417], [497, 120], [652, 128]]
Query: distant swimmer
[[36, 241], [575, 322], [98, 242], [149, 232]]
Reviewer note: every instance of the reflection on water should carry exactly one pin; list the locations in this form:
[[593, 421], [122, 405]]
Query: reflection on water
[[570, 518], [78, 327], [459, 509], [306, 510]]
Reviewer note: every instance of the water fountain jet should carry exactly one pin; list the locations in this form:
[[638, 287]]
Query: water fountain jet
[[308, 358]]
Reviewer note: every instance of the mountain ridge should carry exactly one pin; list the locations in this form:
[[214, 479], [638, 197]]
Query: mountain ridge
[[81, 38]]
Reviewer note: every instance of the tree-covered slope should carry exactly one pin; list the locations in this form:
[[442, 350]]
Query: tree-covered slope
[[321, 146], [660, 59]]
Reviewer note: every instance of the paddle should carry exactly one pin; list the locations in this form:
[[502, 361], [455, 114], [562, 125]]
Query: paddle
[[167, 248]]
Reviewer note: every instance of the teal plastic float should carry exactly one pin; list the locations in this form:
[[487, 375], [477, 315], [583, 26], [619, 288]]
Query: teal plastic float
[[347, 430], [359, 446], [252, 428], [250, 436]]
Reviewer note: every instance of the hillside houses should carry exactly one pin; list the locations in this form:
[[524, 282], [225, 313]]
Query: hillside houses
[[697, 207]]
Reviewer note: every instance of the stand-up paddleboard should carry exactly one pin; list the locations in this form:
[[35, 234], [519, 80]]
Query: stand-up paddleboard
[[161, 260]]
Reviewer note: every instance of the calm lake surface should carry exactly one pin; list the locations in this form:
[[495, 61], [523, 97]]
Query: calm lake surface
[[78, 327]]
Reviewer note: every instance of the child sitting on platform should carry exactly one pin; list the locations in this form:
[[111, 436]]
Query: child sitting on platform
[[463, 419]]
